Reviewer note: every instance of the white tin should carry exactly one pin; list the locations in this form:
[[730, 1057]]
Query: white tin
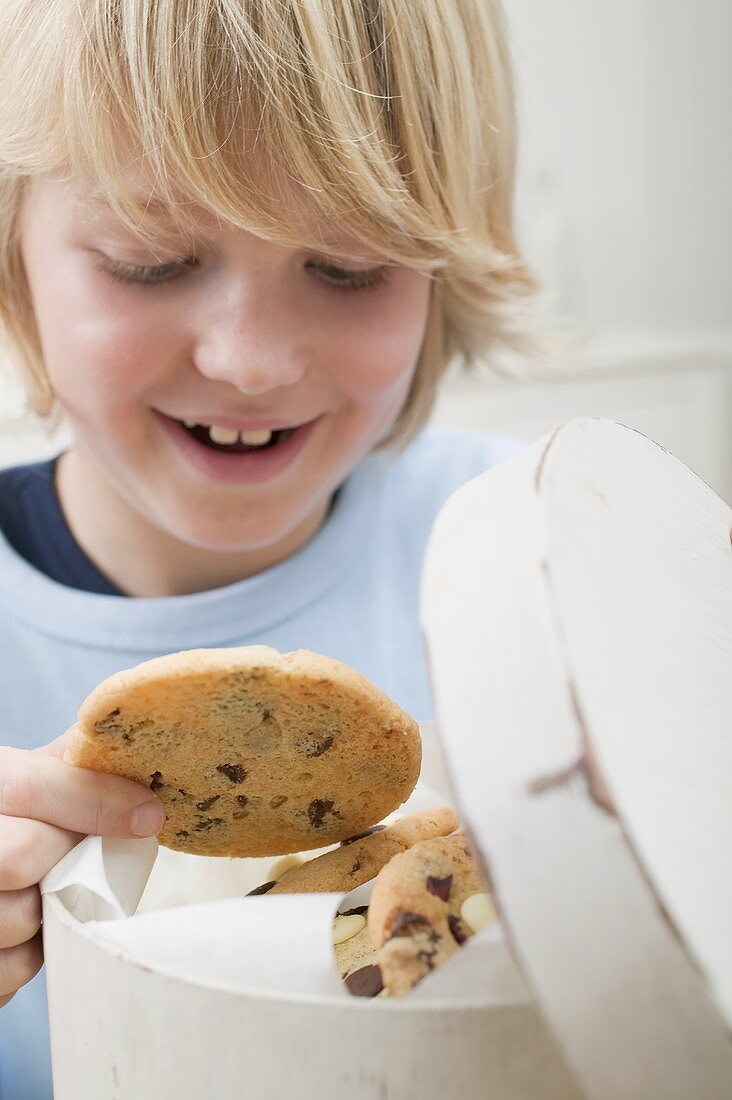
[[535, 575], [122, 1031]]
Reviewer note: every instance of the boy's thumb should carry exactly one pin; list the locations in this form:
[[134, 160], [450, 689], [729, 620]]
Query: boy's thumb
[[56, 748]]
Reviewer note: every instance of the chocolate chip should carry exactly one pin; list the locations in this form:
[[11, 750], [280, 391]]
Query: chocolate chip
[[109, 723], [427, 956], [366, 982], [316, 744], [318, 809], [182, 832], [358, 911], [156, 781], [263, 889], [265, 715], [242, 799], [208, 823], [405, 924], [360, 836], [181, 791], [235, 772], [356, 867], [208, 803], [457, 929], [440, 887], [322, 746]]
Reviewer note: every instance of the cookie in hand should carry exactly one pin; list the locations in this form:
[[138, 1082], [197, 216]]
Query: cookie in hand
[[252, 752]]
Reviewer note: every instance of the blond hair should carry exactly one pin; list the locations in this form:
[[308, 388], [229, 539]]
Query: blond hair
[[396, 116]]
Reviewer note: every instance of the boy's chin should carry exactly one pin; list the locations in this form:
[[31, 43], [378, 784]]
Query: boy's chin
[[229, 543], [232, 538]]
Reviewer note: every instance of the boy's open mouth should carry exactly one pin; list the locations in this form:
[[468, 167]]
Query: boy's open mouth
[[228, 453], [233, 442]]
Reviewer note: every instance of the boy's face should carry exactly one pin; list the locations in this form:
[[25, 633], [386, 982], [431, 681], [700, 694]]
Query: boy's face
[[251, 336]]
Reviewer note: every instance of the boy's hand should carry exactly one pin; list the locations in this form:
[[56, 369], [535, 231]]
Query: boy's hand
[[46, 808]]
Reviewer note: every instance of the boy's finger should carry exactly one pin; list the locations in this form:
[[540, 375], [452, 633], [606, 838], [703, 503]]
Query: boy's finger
[[54, 748], [38, 786], [20, 915], [57, 747], [29, 849], [19, 964]]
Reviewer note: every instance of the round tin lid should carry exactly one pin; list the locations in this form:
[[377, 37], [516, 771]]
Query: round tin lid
[[577, 610]]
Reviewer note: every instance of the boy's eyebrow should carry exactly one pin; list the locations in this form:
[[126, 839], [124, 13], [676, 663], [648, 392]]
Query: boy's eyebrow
[[93, 200], [337, 247], [90, 204]]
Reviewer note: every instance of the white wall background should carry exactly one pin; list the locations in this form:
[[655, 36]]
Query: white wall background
[[626, 158], [625, 211]]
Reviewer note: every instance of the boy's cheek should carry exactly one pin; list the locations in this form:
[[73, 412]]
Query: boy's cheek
[[381, 370], [106, 367]]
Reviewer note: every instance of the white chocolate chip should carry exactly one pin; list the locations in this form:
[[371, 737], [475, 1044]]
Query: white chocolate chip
[[286, 863], [345, 928], [478, 911]]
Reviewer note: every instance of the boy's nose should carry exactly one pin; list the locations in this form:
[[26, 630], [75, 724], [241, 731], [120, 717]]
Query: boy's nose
[[252, 346], [252, 371]]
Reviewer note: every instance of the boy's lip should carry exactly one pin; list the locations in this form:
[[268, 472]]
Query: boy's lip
[[257, 465], [240, 425]]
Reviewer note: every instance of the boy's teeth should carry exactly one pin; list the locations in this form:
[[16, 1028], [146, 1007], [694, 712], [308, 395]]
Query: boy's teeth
[[256, 439], [223, 435], [219, 434]]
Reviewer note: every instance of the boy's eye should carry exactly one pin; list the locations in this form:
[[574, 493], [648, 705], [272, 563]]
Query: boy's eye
[[165, 273], [339, 276], [136, 273]]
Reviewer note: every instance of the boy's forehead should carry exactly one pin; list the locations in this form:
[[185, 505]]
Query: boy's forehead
[[90, 202]]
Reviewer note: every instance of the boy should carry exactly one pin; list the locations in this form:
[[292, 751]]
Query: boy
[[239, 246]]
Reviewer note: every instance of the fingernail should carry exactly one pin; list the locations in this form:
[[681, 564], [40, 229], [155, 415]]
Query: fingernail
[[148, 819]]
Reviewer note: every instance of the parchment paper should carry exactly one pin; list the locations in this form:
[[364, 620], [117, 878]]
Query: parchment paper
[[186, 915]]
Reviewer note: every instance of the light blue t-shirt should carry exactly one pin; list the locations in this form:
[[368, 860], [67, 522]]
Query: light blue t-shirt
[[351, 593]]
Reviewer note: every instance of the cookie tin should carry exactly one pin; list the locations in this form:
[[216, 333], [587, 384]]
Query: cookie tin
[[577, 609], [576, 605], [122, 1029]]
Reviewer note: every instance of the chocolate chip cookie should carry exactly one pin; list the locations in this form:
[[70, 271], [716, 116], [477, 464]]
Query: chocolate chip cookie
[[252, 752], [360, 858], [425, 904]]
